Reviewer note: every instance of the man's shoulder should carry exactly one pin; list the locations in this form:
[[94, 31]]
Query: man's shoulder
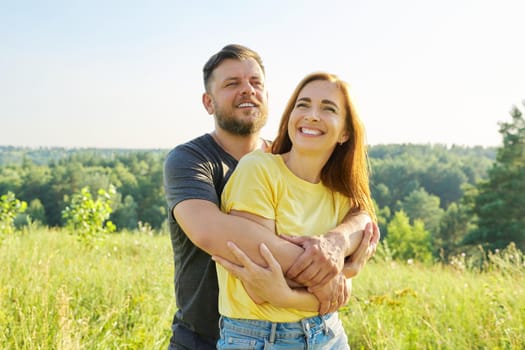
[[201, 144], [202, 141]]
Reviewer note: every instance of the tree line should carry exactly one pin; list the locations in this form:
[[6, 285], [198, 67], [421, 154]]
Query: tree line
[[432, 200]]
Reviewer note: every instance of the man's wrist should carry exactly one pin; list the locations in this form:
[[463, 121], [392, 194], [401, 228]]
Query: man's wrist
[[339, 240]]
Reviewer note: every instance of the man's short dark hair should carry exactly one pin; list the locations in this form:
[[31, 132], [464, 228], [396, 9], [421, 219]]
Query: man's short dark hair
[[232, 51]]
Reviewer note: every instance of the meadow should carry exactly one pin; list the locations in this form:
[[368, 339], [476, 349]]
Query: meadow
[[56, 293]]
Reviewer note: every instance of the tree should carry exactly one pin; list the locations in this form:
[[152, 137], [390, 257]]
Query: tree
[[420, 205], [500, 204], [454, 226], [409, 241]]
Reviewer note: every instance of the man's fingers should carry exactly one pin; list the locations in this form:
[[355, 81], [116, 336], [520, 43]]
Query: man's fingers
[[319, 279], [376, 235], [324, 308], [298, 266], [312, 276], [374, 240]]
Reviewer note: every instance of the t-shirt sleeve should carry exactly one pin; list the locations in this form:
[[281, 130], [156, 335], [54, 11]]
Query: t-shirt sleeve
[[188, 175], [251, 187]]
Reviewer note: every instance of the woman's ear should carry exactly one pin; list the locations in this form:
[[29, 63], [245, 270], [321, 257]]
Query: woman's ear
[[344, 137]]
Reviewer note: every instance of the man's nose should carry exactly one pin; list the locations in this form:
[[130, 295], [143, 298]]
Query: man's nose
[[247, 88]]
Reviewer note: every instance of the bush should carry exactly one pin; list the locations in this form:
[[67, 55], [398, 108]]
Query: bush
[[88, 218], [10, 207]]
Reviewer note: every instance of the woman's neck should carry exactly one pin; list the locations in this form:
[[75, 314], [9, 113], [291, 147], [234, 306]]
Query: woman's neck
[[305, 166]]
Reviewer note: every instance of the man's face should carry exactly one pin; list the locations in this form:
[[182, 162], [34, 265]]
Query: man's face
[[237, 96]]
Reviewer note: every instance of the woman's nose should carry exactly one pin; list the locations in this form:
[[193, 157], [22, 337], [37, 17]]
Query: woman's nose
[[312, 115]]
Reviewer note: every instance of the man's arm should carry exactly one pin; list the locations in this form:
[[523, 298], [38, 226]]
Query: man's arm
[[256, 280], [209, 229], [324, 256], [267, 284]]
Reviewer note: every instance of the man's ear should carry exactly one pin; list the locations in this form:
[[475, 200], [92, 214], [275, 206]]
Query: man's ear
[[208, 103]]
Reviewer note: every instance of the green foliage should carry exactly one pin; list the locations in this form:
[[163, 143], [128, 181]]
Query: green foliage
[[10, 207], [86, 217], [455, 225], [420, 205], [409, 242], [501, 201], [36, 211], [397, 170]]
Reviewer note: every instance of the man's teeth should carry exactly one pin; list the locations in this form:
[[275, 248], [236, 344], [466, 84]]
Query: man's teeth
[[246, 104], [310, 131]]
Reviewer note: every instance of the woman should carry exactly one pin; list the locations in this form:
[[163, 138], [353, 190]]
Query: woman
[[316, 174]]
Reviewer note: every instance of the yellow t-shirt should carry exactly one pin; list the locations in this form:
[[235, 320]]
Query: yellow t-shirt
[[262, 184]]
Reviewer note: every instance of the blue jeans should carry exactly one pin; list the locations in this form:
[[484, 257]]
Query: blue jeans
[[314, 333]]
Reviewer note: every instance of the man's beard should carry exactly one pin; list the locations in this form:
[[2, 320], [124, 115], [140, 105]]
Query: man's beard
[[230, 123]]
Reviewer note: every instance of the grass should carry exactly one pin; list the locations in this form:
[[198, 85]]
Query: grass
[[400, 306], [57, 294]]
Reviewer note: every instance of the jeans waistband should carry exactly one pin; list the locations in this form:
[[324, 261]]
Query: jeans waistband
[[271, 330]]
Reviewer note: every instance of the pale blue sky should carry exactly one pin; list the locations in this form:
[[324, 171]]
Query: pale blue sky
[[127, 74]]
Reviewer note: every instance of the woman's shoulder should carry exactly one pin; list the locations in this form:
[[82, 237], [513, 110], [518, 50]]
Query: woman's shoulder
[[259, 157]]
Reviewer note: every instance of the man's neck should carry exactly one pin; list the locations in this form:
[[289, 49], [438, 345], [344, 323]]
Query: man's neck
[[237, 145]]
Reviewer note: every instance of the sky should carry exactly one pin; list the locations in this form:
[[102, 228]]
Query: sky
[[128, 74]]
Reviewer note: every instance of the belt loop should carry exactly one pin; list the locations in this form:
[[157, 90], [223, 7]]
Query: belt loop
[[272, 333], [306, 327], [305, 323]]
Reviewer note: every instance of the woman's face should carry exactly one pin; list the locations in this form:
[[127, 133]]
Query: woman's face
[[317, 121]]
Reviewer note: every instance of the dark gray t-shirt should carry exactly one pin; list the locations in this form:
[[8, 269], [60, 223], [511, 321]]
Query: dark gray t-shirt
[[198, 169]]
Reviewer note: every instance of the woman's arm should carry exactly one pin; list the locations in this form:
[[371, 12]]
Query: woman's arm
[[267, 284]]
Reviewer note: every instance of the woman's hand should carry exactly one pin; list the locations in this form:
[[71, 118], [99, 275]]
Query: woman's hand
[[263, 284]]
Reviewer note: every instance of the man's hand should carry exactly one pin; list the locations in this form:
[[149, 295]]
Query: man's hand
[[367, 248], [332, 295], [322, 260], [323, 257]]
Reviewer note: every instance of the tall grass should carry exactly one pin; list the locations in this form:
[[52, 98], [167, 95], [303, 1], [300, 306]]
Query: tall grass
[[408, 306], [57, 294]]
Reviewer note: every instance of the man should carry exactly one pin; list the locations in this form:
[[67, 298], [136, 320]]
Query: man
[[195, 174]]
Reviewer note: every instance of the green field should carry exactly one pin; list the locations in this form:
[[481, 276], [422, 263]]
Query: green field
[[57, 294]]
